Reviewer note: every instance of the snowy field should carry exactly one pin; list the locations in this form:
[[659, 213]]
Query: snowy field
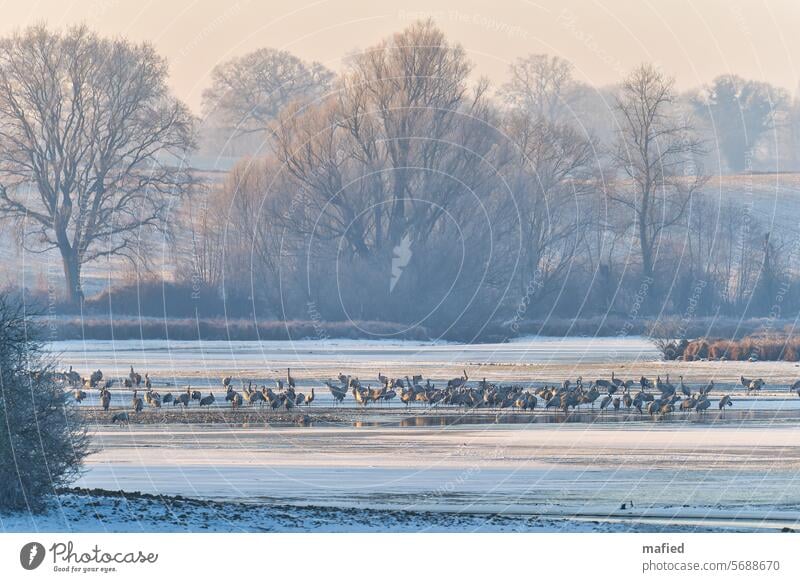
[[492, 478], [398, 470]]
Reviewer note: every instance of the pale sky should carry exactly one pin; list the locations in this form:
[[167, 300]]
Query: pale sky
[[692, 40]]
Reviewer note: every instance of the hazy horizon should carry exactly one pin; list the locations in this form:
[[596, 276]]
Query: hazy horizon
[[691, 41]]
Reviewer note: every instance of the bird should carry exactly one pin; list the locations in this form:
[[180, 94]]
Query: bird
[[605, 402], [601, 383], [666, 408], [289, 379], [627, 400], [182, 399], [337, 392], [72, 376], [406, 396], [135, 378], [685, 389], [120, 417], [79, 395], [137, 402], [226, 381], [358, 397], [702, 404], [458, 382], [207, 400], [725, 401], [95, 378], [105, 399], [154, 400], [688, 403]]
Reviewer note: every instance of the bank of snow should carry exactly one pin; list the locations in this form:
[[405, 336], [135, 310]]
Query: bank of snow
[[105, 511]]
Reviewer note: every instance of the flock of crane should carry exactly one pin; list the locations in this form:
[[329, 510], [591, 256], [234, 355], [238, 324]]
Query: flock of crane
[[655, 397]]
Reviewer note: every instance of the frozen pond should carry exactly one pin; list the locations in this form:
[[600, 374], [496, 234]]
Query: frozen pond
[[180, 358], [696, 472], [743, 466]]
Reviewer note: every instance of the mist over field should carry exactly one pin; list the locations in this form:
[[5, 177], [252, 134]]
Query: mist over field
[[402, 194]]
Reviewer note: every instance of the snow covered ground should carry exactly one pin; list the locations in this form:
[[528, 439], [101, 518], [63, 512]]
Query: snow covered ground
[[387, 470], [739, 477], [84, 511]]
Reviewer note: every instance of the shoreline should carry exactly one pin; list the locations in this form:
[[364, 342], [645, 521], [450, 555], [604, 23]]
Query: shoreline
[[416, 416], [100, 326], [102, 511]]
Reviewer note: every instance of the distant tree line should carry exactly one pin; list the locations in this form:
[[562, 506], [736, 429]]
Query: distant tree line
[[404, 188]]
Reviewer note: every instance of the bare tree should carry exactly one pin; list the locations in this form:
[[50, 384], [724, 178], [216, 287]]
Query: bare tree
[[200, 258], [403, 125], [43, 439], [554, 184], [404, 156], [654, 154], [541, 86], [91, 144], [250, 91], [740, 112]]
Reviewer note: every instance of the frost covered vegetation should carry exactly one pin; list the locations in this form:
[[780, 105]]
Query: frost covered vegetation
[[402, 190], [42, 437]]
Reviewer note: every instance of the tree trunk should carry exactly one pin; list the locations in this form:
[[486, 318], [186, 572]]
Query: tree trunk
[[647, 288], [72, 274]]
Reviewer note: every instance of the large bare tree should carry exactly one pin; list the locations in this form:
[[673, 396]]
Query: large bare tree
[[92, 144], [405, 123], [248, 92], [655, 156]]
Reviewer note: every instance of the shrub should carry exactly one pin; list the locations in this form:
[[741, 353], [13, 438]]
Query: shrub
[[43, 438], [764, 347]]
